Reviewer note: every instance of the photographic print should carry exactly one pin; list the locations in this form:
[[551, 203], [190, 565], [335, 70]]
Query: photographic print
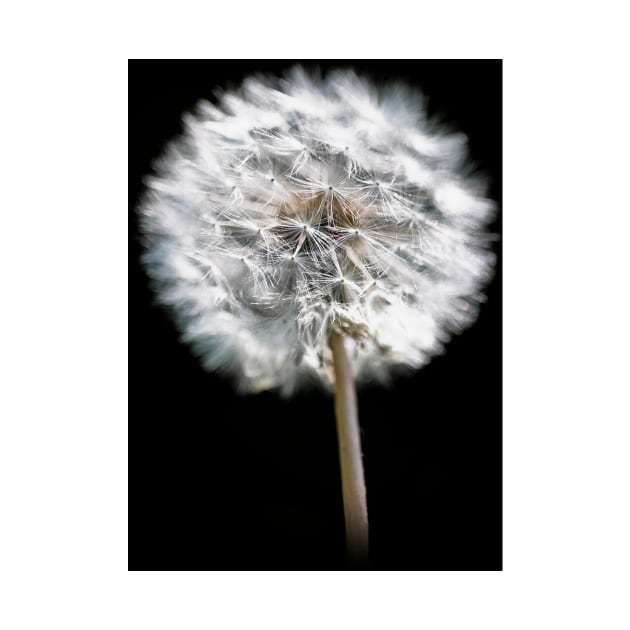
[[315, 315]]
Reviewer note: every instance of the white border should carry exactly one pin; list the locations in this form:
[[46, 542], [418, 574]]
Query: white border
[[64, 333]]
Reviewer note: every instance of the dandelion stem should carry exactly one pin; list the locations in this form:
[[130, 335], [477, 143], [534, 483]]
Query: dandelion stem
[[352, 479]]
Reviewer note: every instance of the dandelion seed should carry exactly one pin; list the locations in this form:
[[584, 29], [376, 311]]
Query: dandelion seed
[[424, 234]]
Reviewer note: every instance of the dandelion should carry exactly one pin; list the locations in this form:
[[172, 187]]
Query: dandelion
[[309, 230]]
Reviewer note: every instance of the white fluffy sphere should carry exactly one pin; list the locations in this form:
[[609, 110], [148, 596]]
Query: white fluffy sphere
[[299, 206]]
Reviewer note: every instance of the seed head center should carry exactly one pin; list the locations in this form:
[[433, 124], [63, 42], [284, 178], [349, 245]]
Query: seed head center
[[325, 209]]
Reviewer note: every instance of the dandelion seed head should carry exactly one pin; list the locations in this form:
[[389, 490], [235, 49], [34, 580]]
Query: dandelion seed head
[[299, 206]]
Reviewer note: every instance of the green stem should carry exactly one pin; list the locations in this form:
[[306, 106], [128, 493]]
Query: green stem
[[352, 478]]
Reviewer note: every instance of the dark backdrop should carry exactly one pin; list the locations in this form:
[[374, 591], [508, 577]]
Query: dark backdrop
[[220, 481]]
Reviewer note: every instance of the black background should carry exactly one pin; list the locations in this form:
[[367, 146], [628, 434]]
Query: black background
[[220, 481]]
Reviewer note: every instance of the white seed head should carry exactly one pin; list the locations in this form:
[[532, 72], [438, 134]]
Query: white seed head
[[299, 206]]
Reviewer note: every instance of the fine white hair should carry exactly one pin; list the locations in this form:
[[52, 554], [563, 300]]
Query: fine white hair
[[301, 205]]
